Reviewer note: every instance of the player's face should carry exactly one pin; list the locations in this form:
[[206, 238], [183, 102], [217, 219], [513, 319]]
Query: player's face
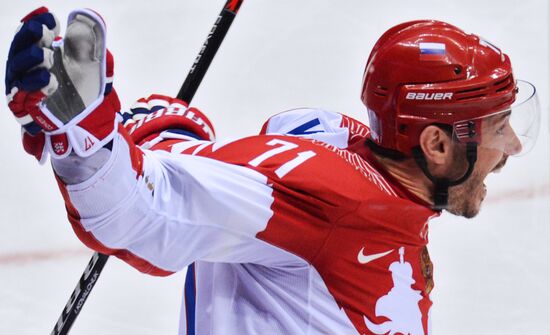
[[499, 141]]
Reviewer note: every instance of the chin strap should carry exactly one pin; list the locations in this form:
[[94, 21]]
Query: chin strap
[[441, 191]]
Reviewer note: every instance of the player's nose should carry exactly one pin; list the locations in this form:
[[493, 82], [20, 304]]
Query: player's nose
[[513, 145]]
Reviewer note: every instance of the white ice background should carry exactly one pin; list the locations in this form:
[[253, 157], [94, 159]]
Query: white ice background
[[492, 273]]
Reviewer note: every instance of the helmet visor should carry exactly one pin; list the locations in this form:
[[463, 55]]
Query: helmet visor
[[513, 130]]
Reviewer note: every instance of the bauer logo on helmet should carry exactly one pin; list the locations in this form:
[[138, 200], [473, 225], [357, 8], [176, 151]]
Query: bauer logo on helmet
[[429, 96]]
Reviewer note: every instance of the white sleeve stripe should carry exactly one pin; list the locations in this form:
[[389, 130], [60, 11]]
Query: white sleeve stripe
[[140, 104], [13, 92], [24, 120], [158, 102]]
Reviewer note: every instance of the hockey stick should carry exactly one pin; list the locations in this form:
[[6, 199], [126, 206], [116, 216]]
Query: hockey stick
[[80, 294], [187, 92], [208, 50]]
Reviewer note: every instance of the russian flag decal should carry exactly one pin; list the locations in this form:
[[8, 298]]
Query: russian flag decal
[[432, 51]]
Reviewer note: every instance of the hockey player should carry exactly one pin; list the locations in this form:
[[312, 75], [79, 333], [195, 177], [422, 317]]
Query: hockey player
[[317, 226]]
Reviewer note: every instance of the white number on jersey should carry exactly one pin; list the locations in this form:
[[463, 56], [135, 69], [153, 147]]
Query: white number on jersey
[[283, 146]]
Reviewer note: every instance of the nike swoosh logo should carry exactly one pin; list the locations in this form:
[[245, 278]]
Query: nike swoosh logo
[[364, 259]]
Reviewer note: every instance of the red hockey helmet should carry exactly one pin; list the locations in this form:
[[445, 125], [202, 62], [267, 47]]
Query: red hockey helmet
[[430, 72]]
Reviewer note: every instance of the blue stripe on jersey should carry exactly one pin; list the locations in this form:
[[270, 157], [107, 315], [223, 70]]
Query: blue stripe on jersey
[[190, 292], [140, 110], [302, 130], [125, 116], [156, 108]]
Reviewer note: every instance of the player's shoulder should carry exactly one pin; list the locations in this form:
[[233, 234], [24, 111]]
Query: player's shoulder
[[302, 142], [301, 121], [239, 149], [295, 161], [319, 124], [255, 151]]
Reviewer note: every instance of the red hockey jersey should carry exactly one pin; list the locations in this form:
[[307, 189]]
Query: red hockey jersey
[[295, 231]]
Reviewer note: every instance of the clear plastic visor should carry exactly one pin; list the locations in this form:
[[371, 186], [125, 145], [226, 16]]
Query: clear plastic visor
[[513, 130]]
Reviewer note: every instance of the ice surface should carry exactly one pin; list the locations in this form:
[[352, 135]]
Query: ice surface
[[492, 273]]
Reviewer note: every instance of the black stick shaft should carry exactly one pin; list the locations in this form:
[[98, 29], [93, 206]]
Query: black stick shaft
[[208, 50], [80, 294], [189, 88]]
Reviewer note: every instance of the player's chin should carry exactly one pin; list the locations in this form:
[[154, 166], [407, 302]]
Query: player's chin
[[473, 210], [467, 211], [474, 202], [467, 204]]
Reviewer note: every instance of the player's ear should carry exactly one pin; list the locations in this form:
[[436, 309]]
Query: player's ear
[[436, 144]]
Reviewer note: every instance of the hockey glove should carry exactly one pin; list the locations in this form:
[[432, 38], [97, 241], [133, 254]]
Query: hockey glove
[[60, 90], [158, 117]]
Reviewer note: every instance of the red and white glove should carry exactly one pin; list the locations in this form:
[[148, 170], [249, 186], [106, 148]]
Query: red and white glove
[[60, 90], [159, 117]]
